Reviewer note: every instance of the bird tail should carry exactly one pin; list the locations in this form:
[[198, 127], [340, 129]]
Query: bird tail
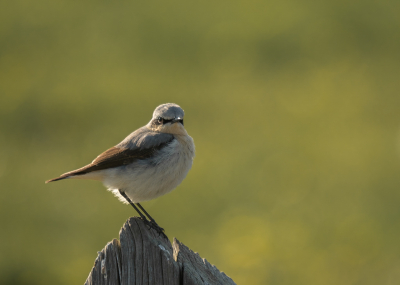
[[58, 178], [77, 172]]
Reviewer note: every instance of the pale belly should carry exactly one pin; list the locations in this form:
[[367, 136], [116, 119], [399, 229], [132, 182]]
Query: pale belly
[[148, 179]]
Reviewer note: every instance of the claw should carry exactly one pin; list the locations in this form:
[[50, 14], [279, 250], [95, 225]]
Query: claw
[[158, 229], [154, 226]]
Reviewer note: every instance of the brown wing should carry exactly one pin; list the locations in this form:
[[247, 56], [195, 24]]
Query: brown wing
[[114, 157]]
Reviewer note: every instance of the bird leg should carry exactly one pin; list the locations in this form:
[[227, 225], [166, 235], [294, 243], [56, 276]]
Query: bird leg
[[133, 205], [152, 223], [147, 214]]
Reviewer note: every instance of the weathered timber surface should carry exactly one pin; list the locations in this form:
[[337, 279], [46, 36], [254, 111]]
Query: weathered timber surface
[[142, 256]]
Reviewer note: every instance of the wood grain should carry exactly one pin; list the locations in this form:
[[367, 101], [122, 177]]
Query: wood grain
[[142, 256]]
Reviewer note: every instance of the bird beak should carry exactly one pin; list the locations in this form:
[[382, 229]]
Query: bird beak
[[176, 120]]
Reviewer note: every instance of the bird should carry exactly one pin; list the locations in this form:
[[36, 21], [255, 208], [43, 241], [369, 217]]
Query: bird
[[148, 163]]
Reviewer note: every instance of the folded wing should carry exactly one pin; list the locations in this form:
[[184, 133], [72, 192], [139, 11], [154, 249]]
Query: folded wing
[[142, 145]]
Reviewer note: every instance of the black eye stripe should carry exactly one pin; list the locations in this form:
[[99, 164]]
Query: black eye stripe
[[160, 121]]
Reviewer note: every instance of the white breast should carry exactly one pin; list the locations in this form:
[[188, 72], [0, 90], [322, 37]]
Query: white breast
[[148, 179]]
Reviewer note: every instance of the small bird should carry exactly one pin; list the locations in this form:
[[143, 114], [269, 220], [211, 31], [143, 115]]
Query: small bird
[[148, 163]]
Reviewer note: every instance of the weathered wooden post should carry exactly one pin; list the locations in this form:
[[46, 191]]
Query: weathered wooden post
[[142, 256]]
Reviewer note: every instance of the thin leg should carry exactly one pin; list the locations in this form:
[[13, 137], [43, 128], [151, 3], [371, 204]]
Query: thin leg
[[147, 214], [159, 229], [133, 205], [152, 223]]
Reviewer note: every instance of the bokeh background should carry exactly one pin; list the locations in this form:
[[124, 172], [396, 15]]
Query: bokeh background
[[293, 106]]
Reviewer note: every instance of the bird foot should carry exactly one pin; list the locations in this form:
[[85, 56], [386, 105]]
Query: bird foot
[[155, 226]]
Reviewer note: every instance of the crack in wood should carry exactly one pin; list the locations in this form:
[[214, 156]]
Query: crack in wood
[[142, 256]]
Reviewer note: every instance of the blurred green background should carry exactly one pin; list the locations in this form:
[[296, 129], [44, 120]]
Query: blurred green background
[[293, 106]]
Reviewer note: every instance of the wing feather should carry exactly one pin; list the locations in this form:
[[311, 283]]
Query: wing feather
[[119, 156]]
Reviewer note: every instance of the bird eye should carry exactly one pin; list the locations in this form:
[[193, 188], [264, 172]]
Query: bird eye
[[160, 120]]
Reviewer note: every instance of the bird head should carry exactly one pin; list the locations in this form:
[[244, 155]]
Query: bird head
[[168, 118]]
